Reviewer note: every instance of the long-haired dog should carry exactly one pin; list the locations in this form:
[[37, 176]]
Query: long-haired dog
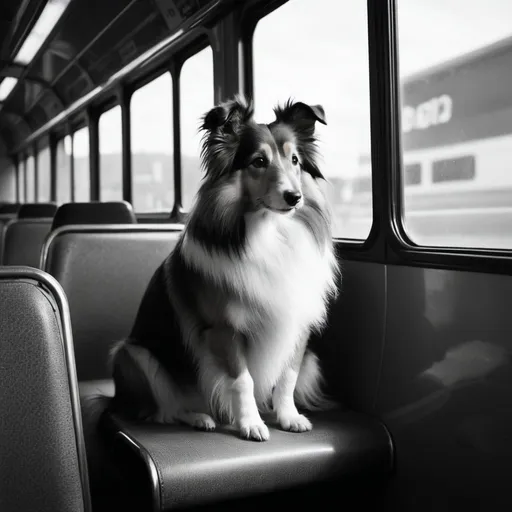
[[222, 330]]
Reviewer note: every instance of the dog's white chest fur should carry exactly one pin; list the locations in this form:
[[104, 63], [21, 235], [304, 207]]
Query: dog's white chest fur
[[283, 280], [283, 272]]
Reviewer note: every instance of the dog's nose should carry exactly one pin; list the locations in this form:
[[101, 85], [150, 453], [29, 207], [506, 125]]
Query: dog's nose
[[291, 197]]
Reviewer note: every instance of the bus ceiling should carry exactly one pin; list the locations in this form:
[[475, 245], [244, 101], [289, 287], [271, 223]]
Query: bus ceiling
[[50, 60]]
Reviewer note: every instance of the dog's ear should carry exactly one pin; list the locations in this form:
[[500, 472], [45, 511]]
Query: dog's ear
[[302, 118], [223, 126], [300, 115], [228, 117]]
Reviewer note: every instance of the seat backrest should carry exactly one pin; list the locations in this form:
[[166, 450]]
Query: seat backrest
[[113, 212], [10, 209], [37, 211], [42, 458], [23, 240], [104, 271], [23, 236]]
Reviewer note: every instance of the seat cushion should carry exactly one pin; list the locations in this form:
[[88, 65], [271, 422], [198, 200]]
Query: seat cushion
[[185, 467], [103, 387]]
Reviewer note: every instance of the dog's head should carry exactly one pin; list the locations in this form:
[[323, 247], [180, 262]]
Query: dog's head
[[265, 160]]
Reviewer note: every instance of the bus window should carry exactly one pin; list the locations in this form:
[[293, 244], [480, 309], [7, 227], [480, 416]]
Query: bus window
[[453, 169], [288, 65], [21, 181], [64, 170], [152, 146], [456, 103], [412, 174], [81, 165], [30, 181], [44, 177], [111, 163], [196, 91], [8, 185]]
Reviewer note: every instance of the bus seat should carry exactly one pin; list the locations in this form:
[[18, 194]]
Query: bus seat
[[23, 236], [113, 212], [186, 468], [104, 270], [37, 211], [42, 457], [9, 209]]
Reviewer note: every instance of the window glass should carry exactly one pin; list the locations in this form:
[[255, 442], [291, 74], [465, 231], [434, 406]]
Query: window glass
[[30, 180], [44, 176], [8, 185], [457, 121], [111, 163], [196, 99], [64, 170], [152, 146], [328, 67], [81, 165], [412, 174], [21, 181]]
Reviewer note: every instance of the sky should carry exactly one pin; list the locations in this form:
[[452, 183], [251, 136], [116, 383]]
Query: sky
[[314, 51]]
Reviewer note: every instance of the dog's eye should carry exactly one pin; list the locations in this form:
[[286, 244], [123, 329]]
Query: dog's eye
[[295, 160], [259, 162]]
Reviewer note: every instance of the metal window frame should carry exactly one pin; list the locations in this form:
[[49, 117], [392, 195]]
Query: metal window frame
[[387, 158], [231, 42]]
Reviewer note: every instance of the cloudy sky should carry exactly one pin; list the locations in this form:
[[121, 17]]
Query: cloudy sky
[[316, 52]]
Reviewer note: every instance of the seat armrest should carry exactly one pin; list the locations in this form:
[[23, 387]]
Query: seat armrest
[[186, 467]]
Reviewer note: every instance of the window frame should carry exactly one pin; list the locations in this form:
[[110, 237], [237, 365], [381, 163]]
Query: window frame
[[387, 158], [130, 91], [387, 242], [39, 147], [30, 153], [371, 248], [192, 50], [22, 171], [108, 104], [173, 66], [76, 126], [60, 137]]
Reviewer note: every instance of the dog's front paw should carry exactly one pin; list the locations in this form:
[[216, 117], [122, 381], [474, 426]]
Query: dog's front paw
[[254, 429], [203, 422], [295, 422]]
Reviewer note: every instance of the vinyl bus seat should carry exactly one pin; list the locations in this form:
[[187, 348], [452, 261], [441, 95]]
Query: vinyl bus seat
[[37, 211], [42, 456], [10, 209], [104, 271], [24, 235], [109, 212]]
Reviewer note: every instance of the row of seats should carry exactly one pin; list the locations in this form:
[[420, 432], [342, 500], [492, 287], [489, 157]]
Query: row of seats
[[24, 228], [22, 225], [103, 261]]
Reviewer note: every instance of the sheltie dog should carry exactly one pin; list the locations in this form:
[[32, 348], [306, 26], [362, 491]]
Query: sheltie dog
[[222, 331]]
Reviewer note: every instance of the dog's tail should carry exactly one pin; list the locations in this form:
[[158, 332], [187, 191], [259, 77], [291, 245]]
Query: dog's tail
[[308, 390]]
